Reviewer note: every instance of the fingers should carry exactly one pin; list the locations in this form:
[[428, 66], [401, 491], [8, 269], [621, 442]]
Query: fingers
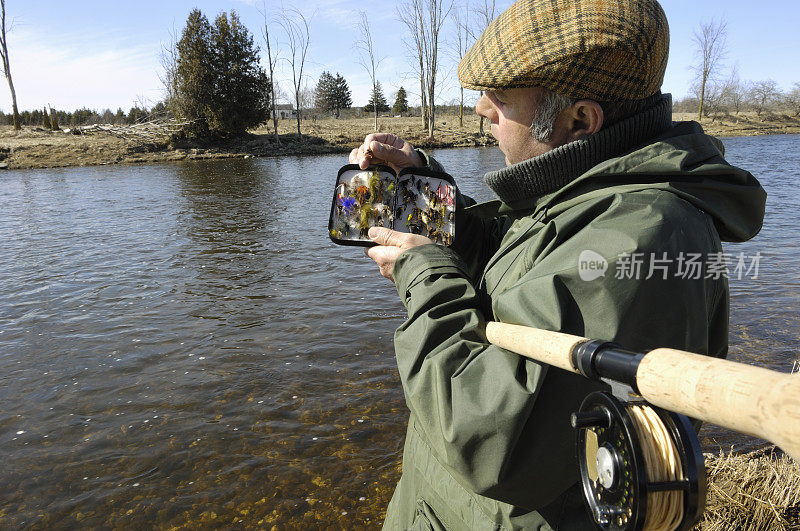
[[383, 236], [389, 154], [361, 156], [385, 257], [384, 138], [402, 240], [391, 244], [385, 148]]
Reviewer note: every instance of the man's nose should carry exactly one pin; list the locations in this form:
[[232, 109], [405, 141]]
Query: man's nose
[[485, 108]]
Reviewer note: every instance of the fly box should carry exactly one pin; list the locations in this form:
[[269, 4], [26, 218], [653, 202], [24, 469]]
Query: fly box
[[416, 200]]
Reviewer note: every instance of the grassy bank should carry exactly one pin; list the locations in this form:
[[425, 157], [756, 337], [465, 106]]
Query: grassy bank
[[760, 490], [745, 124], [38, 148]]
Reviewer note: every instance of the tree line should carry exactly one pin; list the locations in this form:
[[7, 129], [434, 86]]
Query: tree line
[[45, 118], [734, 96]]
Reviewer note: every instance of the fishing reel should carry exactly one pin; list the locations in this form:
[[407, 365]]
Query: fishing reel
[[625, 450]]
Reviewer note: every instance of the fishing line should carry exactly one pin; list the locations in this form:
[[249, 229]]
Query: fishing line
[[663, 462]]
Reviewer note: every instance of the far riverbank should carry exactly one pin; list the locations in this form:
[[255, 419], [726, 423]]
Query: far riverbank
[[35, 147]]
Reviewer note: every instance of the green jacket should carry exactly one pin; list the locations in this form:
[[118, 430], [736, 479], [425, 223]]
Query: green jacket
[[489, 445]]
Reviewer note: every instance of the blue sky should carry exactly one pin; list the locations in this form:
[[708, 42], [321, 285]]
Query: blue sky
[[105, 54]]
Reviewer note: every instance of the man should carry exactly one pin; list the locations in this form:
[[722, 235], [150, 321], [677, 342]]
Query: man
[[595, 168]]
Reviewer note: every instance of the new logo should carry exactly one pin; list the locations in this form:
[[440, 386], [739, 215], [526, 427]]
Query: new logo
[[591, 265]]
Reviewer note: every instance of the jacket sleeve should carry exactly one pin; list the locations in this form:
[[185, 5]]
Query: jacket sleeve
[[497, 421]]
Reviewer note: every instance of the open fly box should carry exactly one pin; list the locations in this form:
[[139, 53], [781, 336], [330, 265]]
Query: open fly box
[[416, 200]]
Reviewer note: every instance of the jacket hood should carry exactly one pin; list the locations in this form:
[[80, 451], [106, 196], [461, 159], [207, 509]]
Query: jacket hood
[[684, 161]]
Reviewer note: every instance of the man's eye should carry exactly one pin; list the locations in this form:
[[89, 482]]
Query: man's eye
[[497, 99]]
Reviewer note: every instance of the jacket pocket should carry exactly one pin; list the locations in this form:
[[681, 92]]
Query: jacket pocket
[[425, 519]]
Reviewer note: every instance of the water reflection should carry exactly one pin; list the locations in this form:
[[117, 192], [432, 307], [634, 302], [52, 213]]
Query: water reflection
[[226, 226]]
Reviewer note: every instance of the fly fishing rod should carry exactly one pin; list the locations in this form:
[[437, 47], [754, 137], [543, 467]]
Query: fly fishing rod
[[640, 462]]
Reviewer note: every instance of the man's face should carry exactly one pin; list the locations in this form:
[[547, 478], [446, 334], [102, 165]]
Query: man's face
[[510, 112]]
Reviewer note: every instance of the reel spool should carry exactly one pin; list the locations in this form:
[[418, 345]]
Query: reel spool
[[614, 467]]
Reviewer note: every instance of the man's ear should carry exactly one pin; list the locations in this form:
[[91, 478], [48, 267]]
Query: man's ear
[[585, 119]]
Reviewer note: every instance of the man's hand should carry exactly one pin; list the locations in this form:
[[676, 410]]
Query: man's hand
[[391, 244], [385, 148]]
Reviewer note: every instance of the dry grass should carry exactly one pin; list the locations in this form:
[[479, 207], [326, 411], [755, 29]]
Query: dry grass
[[745, 124], [34, 147], [760, 490], [350, 132]]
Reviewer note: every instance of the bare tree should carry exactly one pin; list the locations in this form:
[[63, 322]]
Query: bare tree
[[793, 99], [425, 20], [710, 42], [485, 14], [410, 14], [7, 67], [307, 101], [436, 13], [271, 62], [295, 25], [280, 93], [463, 38], [169, 64], [763, 95], [367, 59], [721, 96], [735, 90]]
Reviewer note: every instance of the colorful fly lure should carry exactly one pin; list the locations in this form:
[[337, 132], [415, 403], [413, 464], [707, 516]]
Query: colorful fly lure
[[347, 204]]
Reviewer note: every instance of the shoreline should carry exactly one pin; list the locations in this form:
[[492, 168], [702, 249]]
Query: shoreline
[[37, 148]]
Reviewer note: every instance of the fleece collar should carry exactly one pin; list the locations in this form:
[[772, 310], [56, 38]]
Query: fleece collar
[[542, 175]]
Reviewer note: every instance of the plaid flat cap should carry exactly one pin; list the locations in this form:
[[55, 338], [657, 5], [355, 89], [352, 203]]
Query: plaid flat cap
[[605, 50]]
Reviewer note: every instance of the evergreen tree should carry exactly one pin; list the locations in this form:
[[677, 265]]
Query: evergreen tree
[[54, 120], [323, 92], [344, 98], [81, 116], [377, 99], [332, 93], [135, 116], [160, 110], [241, 95], [220, 88], [400, 102], [193, 74]]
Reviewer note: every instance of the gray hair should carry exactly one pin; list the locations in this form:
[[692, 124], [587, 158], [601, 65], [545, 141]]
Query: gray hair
[[552, 104], [547, 111]]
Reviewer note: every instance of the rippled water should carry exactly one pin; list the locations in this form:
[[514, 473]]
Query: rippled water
[[181, 344]]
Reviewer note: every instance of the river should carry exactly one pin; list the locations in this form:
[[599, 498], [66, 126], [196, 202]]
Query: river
[[181, 345]]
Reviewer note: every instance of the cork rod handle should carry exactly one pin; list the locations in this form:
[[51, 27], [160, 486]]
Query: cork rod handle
[[751, 400], [747, 399], [552, 348]]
